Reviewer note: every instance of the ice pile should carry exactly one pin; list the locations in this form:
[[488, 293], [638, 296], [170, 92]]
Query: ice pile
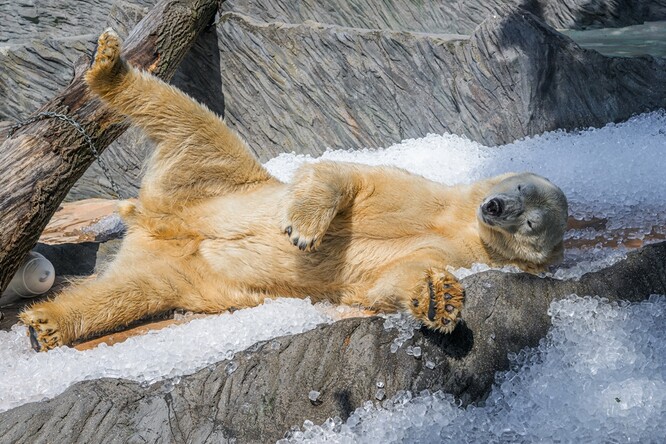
[[599, 376], [177, 350]]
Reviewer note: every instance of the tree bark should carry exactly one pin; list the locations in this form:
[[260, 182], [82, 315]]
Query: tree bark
[[41, 161]]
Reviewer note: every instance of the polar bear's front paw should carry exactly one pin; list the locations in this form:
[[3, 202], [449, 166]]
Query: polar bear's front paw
[[43, 328], [307, 220], [438, 301], [306, 232]]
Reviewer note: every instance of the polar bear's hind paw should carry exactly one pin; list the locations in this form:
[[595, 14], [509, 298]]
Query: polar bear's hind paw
[[438, 301]]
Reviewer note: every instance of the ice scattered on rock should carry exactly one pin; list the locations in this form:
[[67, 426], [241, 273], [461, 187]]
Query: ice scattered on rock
[[599, 376], [163, 354], [231, 367], [405, 324], [313, 396]]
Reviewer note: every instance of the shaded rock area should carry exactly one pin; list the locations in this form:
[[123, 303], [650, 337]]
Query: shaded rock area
[[309, 87], [267, 393], [450, 16]]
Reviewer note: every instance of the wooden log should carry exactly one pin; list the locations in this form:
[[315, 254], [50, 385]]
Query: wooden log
[[42, 160]]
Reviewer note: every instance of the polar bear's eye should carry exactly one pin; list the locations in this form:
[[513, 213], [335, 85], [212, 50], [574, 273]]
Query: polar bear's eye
[[529, 223], [520, 187]]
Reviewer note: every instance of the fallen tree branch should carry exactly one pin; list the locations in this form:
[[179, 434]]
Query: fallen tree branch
[[42, 161]]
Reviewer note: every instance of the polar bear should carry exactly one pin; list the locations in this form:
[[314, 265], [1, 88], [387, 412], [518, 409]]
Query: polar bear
[[212, 230]]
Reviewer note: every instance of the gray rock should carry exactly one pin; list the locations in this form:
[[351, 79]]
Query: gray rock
[[38, 19], [37, 59], [309, 87], [45, 40], [269, 391], [449, 16], [30, 74]]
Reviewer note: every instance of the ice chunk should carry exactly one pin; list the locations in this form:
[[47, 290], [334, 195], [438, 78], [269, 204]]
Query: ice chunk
[[313, 395]]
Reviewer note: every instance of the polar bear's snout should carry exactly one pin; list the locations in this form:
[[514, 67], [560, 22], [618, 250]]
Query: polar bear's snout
[[501, 208], [493, 207]]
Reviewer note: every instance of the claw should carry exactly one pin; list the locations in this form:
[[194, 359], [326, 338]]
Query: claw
[[34, 342], [436, 307]]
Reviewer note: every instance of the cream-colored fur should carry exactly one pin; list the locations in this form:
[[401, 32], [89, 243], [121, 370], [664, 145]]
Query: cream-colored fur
[[212, 230]]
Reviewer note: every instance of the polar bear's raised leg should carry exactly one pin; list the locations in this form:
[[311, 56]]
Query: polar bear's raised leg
[[197, 155], [317, 194]]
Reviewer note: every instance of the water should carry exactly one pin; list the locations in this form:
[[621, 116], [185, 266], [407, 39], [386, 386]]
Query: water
[[648, 38]]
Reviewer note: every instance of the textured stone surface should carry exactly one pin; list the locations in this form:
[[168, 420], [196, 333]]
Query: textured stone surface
[[268, 392], [308, 87], [27, 20], [449, 16]]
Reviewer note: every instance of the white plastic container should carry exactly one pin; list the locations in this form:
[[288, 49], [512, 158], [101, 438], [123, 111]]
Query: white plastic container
[[35, 276]]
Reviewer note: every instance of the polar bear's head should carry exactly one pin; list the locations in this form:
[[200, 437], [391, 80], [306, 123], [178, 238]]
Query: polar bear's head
[[523, 218]]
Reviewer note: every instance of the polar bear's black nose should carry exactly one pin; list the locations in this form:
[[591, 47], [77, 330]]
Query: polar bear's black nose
[[493, 207]]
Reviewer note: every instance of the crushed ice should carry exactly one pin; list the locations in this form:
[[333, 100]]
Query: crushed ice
[[176, 350], [599, 376], [405, 324]]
